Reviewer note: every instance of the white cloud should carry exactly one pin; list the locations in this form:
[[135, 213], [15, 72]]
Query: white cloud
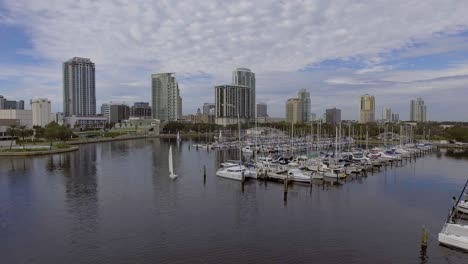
[[129, 40]]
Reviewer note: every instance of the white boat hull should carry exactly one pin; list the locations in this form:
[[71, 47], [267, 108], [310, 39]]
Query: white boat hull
[[460, 242]]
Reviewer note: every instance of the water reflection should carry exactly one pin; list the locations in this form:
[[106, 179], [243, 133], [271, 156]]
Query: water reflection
[[81, 195], [459, 154]]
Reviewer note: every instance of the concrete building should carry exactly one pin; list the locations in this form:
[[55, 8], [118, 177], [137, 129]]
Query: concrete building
[[262, 110], [79, 87], [86, 122], [17, 116], [166, 101], [9, 104], [209, 108], [294, 111], [333, 116], [387, 114], [115, 112], [140, 110], [245, 77], [304, 95], [395, 117], [41, 111], [367, 113], [139, 125], [418, 110], [231, 101]]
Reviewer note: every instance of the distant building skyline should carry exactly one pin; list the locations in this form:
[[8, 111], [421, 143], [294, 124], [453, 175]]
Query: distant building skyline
[[209, 108], [304, 95], [294, 110], [333, 116], [367, 109], [387, 114], [11, 104], [418, 110], [79, 87], [262, 110]]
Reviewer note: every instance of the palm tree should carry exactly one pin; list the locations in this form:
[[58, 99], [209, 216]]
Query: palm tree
[[11, 131]]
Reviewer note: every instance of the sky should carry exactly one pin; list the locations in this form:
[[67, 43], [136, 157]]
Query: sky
[[395, 50]]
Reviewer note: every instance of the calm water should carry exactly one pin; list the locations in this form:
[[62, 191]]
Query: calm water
[[114, 203]]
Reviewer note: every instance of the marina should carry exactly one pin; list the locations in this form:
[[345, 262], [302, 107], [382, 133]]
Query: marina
[[93, 206]]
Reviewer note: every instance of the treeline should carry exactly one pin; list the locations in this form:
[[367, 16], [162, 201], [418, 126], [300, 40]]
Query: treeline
[[51, 132], [428, 130]]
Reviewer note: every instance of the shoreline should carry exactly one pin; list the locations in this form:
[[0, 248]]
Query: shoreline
[[39, 152]]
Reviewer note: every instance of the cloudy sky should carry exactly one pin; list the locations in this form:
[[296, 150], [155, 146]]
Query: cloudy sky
[[396, 50]]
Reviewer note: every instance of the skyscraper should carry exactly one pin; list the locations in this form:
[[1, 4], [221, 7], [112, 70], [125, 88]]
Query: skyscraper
[[262, 110], [387, 114], [232, 100], [245, 77], [418, 110], [79, 87], [294, 110], [304, 95], [333, 116], [166, 99], [367, 113]]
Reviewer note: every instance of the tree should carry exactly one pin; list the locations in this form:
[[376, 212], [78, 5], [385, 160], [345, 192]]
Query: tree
[[12, 132]]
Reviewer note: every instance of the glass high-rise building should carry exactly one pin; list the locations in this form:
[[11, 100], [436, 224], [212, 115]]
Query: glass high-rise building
[[262, 110], [79, 87], [418, 110], [304, 95], [245, 77], [166, 99]]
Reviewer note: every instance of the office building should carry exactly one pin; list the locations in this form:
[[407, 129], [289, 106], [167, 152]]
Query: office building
[[262, 110], [418, 110], [387, 114], [18, 117], [395, 117], [304, 95], [10, 104], [245, 77], [86, 122], [367, 113], [140, 110], [115, 112], [294, 110], [166, 102], [41, 111], [209, 108], [79, 87], [333, 116], [232, 101]]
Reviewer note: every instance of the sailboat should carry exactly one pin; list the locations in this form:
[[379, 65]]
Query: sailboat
[[172, 175], [178, 136]]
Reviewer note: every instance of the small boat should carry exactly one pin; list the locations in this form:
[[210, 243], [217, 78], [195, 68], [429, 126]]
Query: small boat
[[236, 172], [178, 136], [454, 235], [172, 175], [462, 207]]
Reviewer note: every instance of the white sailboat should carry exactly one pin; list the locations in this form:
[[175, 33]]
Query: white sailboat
[[172, 175], [178, 136]]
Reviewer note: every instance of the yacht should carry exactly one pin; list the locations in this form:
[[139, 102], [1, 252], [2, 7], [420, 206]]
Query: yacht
[[235, 173]]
